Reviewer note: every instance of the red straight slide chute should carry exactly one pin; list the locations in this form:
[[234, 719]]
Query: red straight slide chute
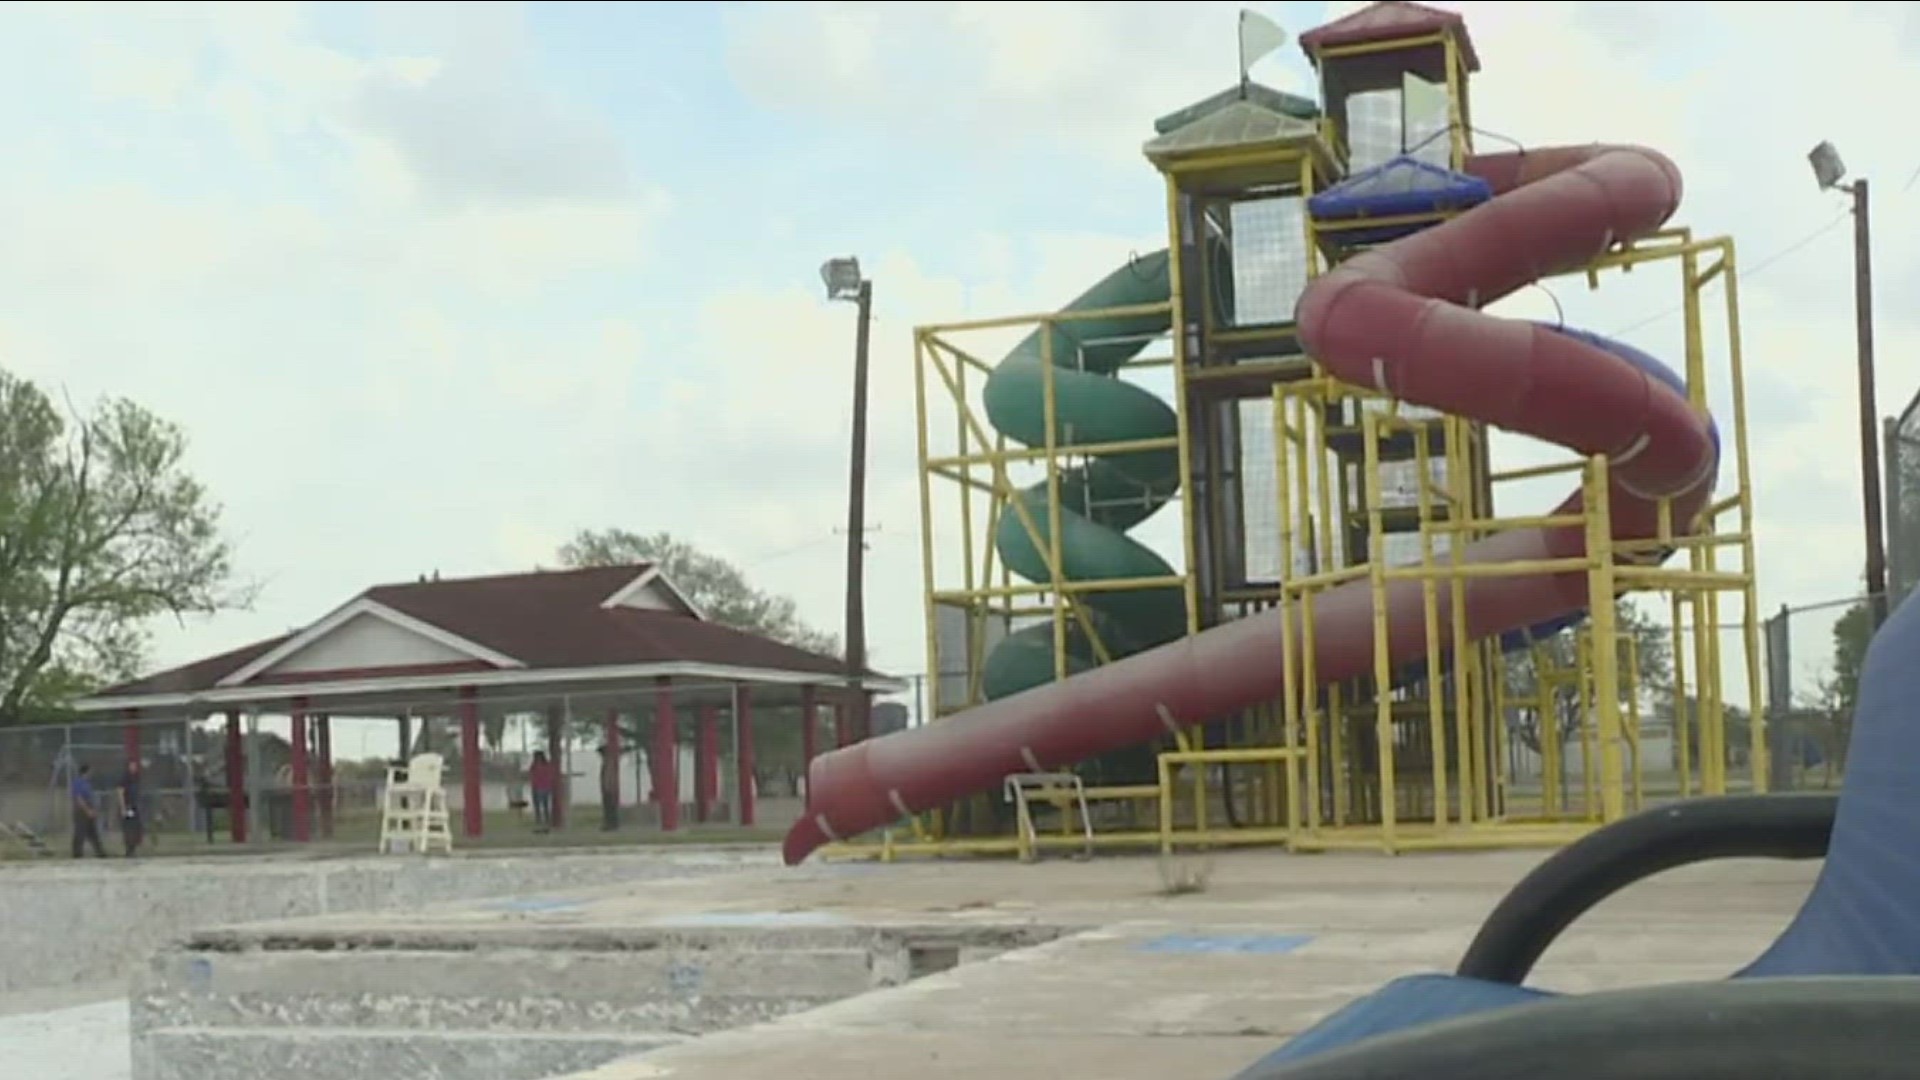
[[1403, 318]]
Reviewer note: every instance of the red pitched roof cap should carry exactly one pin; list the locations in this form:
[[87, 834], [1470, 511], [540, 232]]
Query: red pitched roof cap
[[1390, 20]]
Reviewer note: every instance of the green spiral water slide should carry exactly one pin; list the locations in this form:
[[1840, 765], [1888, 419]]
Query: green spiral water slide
[[1101, 499]]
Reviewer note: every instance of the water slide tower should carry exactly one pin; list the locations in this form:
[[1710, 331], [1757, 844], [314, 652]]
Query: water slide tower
[[1178, 384]]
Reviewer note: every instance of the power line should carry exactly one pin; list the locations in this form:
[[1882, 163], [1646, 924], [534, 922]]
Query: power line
[[1771, 260], [1747, 273], [795, 549]]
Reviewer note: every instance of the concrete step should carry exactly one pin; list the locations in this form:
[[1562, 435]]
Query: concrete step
[[456, 998], [571, 991], [194, 1053]]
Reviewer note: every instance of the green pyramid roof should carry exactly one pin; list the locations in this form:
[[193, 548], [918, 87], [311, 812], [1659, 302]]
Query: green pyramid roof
[[1265, 96], [1242, 124]]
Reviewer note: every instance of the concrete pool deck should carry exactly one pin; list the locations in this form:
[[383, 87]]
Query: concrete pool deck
[[955, 969]]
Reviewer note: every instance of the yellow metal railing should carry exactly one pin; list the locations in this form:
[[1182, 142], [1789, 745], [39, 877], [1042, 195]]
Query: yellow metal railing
[[1464, 702], [1283, 807], [1360, 763]]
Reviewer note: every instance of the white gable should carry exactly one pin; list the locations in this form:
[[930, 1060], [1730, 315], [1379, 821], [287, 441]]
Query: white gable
[[653, 596], [367, 641], [651, 591]]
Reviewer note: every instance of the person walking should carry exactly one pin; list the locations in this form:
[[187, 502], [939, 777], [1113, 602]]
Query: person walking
[[542, 778], [133, 821], [86, 812]]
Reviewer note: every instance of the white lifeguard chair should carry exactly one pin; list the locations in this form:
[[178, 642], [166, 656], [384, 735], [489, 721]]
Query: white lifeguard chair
[[413, 809]]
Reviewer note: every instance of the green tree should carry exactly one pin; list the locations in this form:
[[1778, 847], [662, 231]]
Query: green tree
[[778, 750], [1851, 633], [1652, 642], [1826, 714], [101, 529], [1735, 723], [717, 587]]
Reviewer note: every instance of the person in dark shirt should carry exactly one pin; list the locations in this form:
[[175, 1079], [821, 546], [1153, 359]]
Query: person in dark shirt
[[86, 813], [541, 777], [133, 824]]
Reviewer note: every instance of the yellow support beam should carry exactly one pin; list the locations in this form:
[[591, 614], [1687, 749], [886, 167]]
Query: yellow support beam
[[1460, 746]]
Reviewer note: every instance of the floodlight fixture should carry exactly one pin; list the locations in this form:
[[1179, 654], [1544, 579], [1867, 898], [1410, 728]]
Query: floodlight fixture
[[1828, 169], [842, 278]]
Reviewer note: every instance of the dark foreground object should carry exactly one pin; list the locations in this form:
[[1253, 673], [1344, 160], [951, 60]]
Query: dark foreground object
[[1837, 995]]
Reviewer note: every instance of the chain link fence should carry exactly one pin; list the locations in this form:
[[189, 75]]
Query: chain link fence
[[1902, 453], [1814, 651], [186, 763], [38, 766], [1812, 662]]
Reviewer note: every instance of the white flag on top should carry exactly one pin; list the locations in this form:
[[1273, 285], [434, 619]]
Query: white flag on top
[[1260, 37]]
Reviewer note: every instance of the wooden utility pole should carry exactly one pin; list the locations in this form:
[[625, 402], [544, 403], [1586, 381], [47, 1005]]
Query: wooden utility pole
[[1869, 411], [856, 631]]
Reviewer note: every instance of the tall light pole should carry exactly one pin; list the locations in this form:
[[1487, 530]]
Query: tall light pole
[[845, 282], [1830, 172]]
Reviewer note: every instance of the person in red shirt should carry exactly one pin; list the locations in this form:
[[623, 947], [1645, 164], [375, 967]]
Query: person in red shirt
[[543, 778]]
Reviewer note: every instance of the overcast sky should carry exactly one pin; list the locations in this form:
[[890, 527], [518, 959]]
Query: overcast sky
[[431, 286]]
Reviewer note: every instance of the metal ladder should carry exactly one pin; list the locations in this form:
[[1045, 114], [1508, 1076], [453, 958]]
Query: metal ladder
[[1016, 790]]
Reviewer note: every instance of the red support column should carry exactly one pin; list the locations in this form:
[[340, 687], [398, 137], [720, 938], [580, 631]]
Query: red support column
[[706, 767], [809, 727], [743, 753], [842, 724], [472, 812], [130, 735], [715, 783], [666, 755], [610, 736], [236, 780], [302, 797], [556, 745], [323, 753]]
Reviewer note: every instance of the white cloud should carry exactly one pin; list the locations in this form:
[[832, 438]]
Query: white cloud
[[976, 74], [338, 309], [377, 343]]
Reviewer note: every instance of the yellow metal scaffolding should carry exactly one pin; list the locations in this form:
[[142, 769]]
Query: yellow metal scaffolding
[[1432, 763], [1470, 748]]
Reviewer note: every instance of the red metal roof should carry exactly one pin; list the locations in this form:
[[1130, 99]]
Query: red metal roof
[[545, 620], [199, 675], [1390, 20], [554, 620]]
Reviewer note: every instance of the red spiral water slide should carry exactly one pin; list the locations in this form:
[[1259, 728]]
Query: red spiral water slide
[[1402, 318]]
